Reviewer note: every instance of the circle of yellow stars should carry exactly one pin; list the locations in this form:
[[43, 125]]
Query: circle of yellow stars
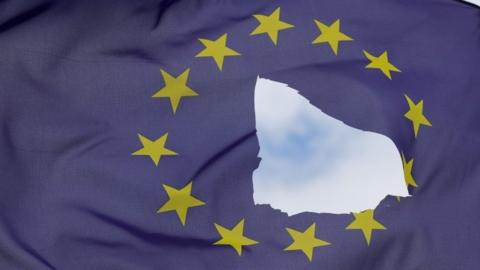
[[181, 201]]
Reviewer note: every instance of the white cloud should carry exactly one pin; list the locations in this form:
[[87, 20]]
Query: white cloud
[[312, 162], [476, 2]]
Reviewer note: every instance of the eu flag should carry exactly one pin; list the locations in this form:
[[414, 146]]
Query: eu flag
[[128, 141]]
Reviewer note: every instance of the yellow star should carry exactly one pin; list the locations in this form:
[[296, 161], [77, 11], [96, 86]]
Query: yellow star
[[270, 25], [330, 34], [155, 149], [217, 49], [407, 172], [234, 237], [365, 222], [175, 88], [381, 62], [305, 241], [180, 200], [415, 114]]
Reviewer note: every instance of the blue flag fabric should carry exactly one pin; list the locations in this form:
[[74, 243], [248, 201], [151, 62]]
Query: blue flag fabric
[[98, 174]]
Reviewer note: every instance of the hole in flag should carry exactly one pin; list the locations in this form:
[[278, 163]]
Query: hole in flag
[[312, 162]]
